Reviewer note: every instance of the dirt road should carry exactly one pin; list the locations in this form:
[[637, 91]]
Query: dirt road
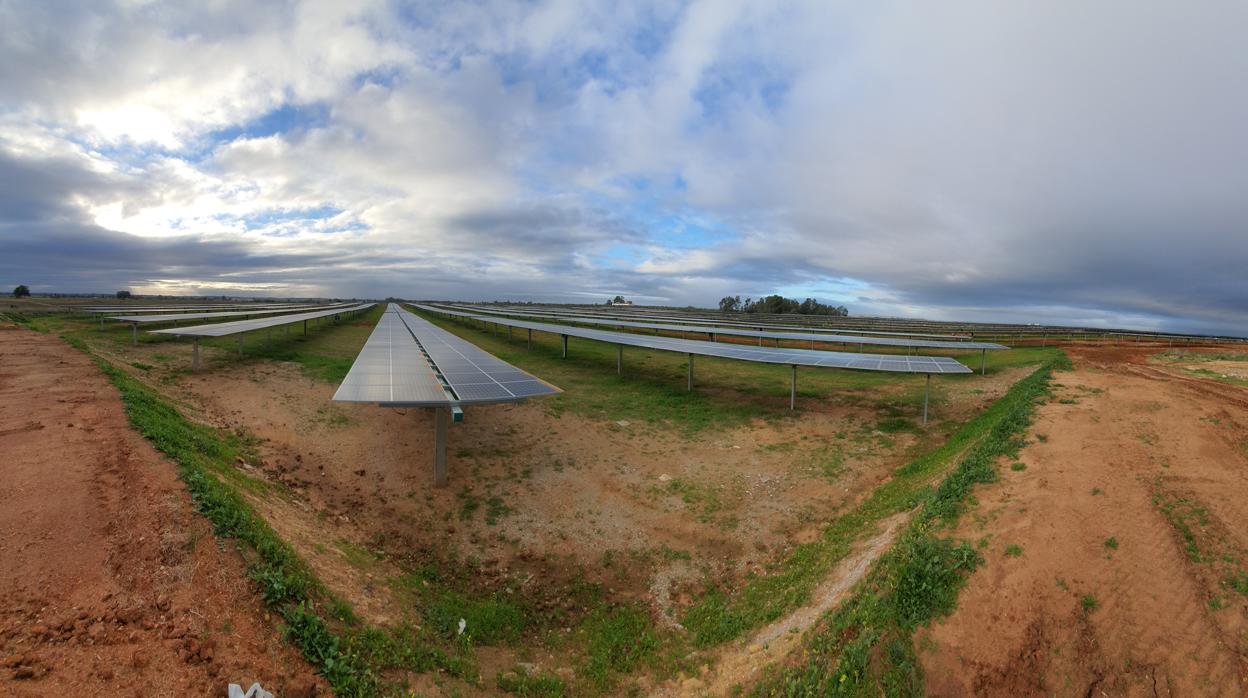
[[109, 584], [1117, 552]]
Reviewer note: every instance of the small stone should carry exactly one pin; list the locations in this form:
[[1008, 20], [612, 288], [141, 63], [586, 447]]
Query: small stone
[[665, 477]]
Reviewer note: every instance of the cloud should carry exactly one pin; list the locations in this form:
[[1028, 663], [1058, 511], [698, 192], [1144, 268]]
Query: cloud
[[1056, 162]]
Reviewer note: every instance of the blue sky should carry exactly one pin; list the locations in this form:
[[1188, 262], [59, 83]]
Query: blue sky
[[935, 160]]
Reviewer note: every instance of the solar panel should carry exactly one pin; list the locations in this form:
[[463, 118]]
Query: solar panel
[[391, 369], [222, 329], [767, 334], [796, 357], [213, 315], [762, 322], [472, 373], [409, 362]]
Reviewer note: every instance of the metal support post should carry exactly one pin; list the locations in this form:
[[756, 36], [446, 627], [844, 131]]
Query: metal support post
[[530, 343], [441, 420], [690, 373], [305, 328], [565, 345], [195, 355], [793, 388], [619, 360], [927, 388], [983, 354], [134, 329]]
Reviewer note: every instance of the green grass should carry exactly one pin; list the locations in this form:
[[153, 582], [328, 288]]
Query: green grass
[[1089, 603], [1018, 466], [349, 654], [617, 641], [543, 685], [1111, 543], [1013, 550], [866, 647]]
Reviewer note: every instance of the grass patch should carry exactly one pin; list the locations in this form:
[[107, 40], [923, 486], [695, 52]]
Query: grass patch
[[616, 642], [350, 655], [865, 646], [1089, 603], [1013, 550], [1111, 543], [1018, 466], [543, 685], [720, 616]]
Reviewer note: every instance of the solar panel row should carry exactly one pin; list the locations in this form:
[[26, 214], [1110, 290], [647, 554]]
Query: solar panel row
[[173, 317], [222, 329], [733, 331], [795, 357], [762, 323], [408, 361]]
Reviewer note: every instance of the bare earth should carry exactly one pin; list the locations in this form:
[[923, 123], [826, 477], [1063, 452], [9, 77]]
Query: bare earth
[[109, 583], [1109, 595]]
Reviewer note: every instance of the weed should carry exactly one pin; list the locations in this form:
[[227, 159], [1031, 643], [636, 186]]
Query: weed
[[616, 641], [1111, 543], [1096, 491], [1013, 550], [521, 683], [1089, 603], [1018, 466]]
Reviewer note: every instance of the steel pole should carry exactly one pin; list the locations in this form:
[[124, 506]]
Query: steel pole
[[565, 345], [134, 329], [927, 388], [195, 355], [529, 345], [793, 388], [983, 354], [441, 419], [690, 388]]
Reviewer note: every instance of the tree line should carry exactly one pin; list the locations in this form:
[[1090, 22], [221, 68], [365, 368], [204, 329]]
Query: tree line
[[779, 305]]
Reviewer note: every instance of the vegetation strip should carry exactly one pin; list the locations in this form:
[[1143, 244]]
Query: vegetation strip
[[866, 646], [345, 651], [719, 617]]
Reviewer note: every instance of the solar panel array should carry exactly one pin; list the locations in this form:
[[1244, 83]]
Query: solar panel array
[[762, 322], [391, 368], [774, 355], [408, 361], [768, 334], [474, 374], [222, 329], [104, 310], [214, 315]]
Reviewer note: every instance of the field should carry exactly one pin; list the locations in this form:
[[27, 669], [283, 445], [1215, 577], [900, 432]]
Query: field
[[1057, 527]]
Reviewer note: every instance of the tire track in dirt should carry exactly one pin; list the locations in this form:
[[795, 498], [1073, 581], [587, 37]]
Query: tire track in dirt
[[740, 663], [1103, 598]]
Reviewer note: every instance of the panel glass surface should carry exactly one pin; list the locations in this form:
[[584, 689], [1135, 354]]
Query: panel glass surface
[[223, 329], [766, 334], [797, 357]]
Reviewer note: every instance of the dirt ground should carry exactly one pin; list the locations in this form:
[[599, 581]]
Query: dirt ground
[[533, 493], [109, 583], [1131, 525]]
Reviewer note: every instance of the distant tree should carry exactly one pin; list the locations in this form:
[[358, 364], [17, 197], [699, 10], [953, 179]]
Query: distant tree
[[730, 304], [618, 299], [21, 291], [123, 294]]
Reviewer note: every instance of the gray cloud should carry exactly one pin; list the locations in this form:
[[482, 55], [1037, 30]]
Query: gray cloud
[[1057, 162]]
